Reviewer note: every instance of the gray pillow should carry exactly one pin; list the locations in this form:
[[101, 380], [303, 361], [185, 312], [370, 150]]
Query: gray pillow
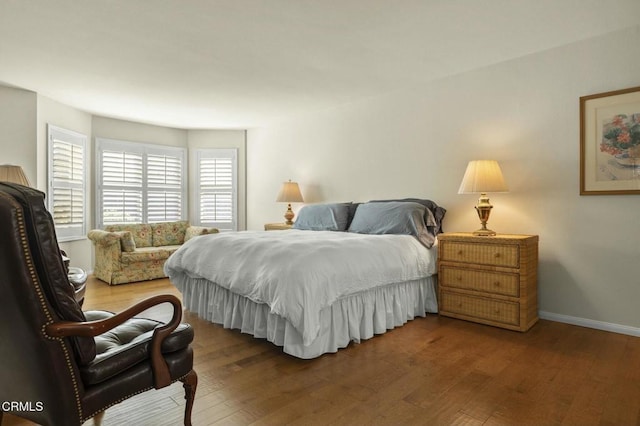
[[323, 217], [392, 217], [433, 217]]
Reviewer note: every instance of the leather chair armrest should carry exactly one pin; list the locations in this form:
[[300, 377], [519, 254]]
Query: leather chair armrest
[[93, 328]]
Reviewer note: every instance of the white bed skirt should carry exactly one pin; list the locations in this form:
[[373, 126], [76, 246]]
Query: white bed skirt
[[353, 318]]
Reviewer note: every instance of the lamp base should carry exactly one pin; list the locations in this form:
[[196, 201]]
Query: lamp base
[[289, 215], [484, 232], [484, 210]]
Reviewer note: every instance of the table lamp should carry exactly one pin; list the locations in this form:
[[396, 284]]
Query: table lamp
[[14, 174], [483, 176], [289, 193]]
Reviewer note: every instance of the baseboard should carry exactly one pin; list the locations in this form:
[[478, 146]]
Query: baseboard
[[584, 322]]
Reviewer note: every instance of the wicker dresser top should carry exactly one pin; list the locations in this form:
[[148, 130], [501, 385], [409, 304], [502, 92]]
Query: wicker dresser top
[[497, 239]]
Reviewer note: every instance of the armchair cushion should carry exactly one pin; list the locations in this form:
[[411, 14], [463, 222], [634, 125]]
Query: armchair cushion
[[128, 344], [127, 243], [141, 232], [169, 233]]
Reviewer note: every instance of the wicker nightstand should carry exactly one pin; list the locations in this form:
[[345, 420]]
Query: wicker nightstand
[[276, 226], [490, 280]]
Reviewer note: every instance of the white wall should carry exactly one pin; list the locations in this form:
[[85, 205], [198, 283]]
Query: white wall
[[123, 130], [57, 114], [18, 125], [523, 113]]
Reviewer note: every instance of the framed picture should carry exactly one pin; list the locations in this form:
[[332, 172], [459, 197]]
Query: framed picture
[[610, 143]]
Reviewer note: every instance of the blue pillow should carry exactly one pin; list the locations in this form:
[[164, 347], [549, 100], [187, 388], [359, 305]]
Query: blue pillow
[[433, 217], [405, 218], [323, 217]]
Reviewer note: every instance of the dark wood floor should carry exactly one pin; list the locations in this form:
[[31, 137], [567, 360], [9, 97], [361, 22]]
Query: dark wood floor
[[435, 371]]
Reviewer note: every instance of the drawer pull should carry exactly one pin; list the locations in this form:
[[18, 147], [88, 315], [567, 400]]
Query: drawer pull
[[497, 311], [497, 255], [459, 278], [496, 284], [460, 252]]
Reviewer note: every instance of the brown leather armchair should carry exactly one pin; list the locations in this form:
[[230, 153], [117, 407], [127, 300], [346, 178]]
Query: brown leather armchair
[[62, 366]]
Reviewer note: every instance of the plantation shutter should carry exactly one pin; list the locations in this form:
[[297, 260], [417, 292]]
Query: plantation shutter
[[139, 183], [67, 176], [122, 178], [164, 197], [217, 188]]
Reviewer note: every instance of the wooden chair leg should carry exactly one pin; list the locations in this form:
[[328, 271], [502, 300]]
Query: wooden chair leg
[[190, 383], [1, 413], [97, 419]]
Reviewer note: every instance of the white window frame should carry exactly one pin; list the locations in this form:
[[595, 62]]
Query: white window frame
[[197, 155], [143, 149], [73, 231]]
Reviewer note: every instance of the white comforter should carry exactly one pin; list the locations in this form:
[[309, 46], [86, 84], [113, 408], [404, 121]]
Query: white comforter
[[298, 273]]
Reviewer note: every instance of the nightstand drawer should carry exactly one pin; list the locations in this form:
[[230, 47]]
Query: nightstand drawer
[[486, 281], [507, 255], [477, 307]]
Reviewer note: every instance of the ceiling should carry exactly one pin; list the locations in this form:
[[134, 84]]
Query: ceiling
[[247, 63]]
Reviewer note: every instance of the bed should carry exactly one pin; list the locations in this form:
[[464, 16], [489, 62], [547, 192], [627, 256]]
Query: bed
[[344, 273]]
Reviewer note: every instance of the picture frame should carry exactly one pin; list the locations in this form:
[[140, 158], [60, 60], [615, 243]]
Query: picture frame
[[610, 143]]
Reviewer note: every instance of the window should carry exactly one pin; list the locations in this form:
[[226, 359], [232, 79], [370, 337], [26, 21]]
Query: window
[[139, 183], [67, 182], [216, 193]]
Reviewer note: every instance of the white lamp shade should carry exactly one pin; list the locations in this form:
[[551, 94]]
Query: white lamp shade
[[14, 174], [289, 193], [482, 176]]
